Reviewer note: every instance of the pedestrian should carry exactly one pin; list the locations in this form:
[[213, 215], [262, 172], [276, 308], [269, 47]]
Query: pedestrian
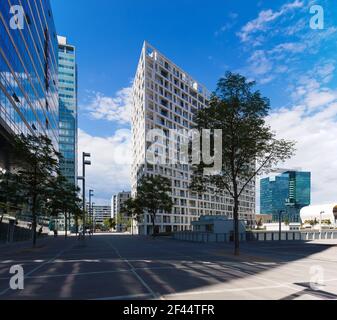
[[40, 231]]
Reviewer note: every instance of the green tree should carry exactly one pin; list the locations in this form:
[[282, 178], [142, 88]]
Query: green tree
[[109, 223], [152, 196], [63, 200], [133, 209], [11, 199], [37, 166], [249, 147]]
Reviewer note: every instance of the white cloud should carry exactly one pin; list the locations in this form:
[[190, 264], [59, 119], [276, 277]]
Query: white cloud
[[259, 63], [111, 163], [320, 98], [292, 47], [264, 18], [316, 136], [116, 108]]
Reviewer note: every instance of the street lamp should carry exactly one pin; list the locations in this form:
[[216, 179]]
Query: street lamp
[[281, 212], [85, 162], [93, 216], [320, 221], [91, 194]]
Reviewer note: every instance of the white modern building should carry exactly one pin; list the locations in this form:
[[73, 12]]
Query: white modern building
[[117, 202], [101, 213], [216, 225], [320, 213], [166, 98]]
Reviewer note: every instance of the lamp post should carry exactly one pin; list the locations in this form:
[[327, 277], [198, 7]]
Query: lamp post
[[281, 212], [85, 162], [93, 216], [320, 222], [91, 194]]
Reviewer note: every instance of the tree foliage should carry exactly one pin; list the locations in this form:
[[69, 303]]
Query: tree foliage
[[153, 194], [249, 146], [37, 164], [36, 183], [63, 200]]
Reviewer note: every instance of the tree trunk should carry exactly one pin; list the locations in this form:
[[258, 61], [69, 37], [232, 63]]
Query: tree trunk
[[153, 218], [34, 204], [34, 224], [236, 228], [1, 218], [76, 225], [66, 225]]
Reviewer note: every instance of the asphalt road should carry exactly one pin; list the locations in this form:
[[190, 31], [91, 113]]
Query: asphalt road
[[115, 267]]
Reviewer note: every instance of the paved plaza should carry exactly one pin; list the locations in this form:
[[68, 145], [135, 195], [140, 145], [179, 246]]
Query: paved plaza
[[113, 267]]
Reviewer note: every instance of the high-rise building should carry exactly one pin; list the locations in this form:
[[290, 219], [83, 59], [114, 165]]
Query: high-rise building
[[167, 98], [28, 73], [68, 109], [118, 201], [286, 193]]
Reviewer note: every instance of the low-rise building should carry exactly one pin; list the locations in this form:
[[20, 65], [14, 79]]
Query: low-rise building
[[216, 225], [284, 227], [263, 218]]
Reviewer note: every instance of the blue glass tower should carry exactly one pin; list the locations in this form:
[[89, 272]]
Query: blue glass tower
[[288, 192], [68, 109], [28, 73]]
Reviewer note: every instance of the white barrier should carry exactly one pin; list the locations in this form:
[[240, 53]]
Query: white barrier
[[256, 236]]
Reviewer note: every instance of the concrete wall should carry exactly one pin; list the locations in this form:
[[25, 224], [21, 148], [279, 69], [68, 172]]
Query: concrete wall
[[324, 235], [256, 236], [274, 236], [12, 233], [206, 237]]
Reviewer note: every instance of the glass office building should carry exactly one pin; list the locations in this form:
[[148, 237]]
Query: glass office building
[[68, 109], [28, 73], [287, 193]]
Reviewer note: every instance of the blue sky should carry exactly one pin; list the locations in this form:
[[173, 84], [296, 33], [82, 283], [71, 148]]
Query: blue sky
[[268, 41]]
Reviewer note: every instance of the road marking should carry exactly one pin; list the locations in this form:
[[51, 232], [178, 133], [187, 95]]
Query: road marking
[[38, 267], [257, 288], [142, 281], [99, 272]]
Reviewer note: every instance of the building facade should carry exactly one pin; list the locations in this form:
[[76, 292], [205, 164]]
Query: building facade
[[101, 213], [28, 73], [68, 122], [286, 193], [118, 201], [166, 98]]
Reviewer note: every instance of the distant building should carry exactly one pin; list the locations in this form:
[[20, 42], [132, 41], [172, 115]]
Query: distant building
[[325, 213], [264, 218], [288, 193], [284, 227], [118, 201], [68, 108], [101, 213]]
